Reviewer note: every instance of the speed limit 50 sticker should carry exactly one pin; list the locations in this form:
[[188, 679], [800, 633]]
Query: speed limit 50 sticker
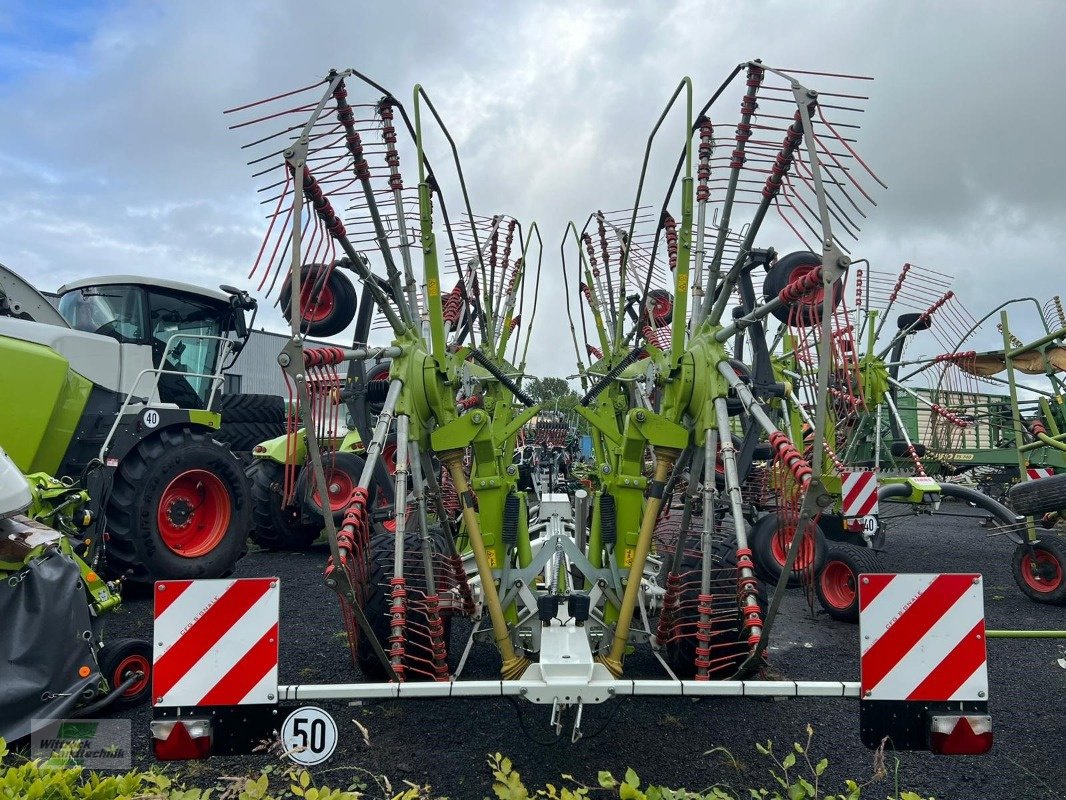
[[309, 735]]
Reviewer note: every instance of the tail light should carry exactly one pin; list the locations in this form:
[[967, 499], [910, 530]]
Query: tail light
[[968, 735], [181, 739]]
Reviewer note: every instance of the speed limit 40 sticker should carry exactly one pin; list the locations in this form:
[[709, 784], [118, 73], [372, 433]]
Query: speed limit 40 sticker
[[309, 735]]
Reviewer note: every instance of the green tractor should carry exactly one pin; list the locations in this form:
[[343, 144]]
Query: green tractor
[[113, 392]]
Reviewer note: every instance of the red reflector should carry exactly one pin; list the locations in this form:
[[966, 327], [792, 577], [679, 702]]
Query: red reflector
[[181, 740], [961, 735]]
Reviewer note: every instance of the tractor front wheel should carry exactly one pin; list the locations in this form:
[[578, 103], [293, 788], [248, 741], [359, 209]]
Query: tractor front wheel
[[179, 508]]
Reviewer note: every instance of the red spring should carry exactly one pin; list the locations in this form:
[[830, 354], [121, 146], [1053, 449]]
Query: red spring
[[452, 306], [604, 252], [435, 627], [591, 251], [324, 209], [459, 576], [703, 636], [957, 421], [323, 356], [918, 466], [471, 402], [346, 117], [936, 307], [507, 244], [516, 321], [1037, 427], [666, 617], [593, 351], [783, 160], [791, 457], [671, 240], [963, 356], [802, 286], [899, 283], [587, 291]]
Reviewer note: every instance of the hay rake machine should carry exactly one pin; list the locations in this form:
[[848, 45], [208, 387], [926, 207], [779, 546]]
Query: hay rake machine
[[563, 586]]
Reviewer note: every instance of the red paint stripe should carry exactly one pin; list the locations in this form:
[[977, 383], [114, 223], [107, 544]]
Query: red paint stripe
[[205, 633], [853, 493], [165, 597], [906, 631], [246, 673], [868, 591], [953, 671]]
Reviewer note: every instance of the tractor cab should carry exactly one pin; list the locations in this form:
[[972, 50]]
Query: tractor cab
[[182, 324]]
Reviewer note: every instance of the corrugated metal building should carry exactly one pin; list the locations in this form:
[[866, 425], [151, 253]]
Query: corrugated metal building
[[256, 370]]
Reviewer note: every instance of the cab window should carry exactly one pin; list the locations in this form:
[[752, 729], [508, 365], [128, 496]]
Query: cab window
[[115, 311]]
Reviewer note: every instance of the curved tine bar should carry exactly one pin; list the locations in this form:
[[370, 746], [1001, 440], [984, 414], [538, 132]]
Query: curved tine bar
[[569, 313], [533, 229], [423, 160], [381, 432], [747, 109], [296, 157], [685, 84], [710, 445], [614, 307], [418, 489], [586, 247], [362, 172], [697, 465], [398, 633], [736, 500], [401, 219], [594, 295], [516, 288], [420, 92]]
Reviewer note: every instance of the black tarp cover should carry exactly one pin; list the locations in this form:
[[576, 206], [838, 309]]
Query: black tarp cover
[[46, 639]]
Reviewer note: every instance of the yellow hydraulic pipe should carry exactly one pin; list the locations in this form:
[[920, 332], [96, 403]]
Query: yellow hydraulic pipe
[[513, 666], [664, 463]]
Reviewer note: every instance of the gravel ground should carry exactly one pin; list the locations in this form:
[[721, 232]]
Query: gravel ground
[[445, 743]]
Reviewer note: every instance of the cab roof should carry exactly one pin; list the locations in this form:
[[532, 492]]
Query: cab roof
[[149, 283]]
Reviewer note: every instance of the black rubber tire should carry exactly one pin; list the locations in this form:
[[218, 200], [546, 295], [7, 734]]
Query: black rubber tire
[[1044, 581], [266, 408], [729, 637], [899, 450], [844, 562], [274, 527], [117, 658], [338, 287], [1035, 498], [919, 321], [767, 565], [377, 601], [135, 549], [779, 276], [349, 465]]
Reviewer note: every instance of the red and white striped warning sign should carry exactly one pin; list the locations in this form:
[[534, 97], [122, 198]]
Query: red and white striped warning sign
[[216, 642], [1035, 473], [859, 491], [923, 637]]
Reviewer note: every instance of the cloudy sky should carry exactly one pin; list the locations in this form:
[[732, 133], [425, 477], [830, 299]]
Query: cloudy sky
[[114, 156]]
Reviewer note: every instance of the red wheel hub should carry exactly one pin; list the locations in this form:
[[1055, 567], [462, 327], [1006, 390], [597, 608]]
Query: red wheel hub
[[339, 487], [194, 513], [388, 456], [1041, 571], [127, 666], [838, 584], [320, 306], [782, 540]]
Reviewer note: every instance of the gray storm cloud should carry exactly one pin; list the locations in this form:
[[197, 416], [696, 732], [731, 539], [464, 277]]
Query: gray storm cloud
[[114, 155]]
